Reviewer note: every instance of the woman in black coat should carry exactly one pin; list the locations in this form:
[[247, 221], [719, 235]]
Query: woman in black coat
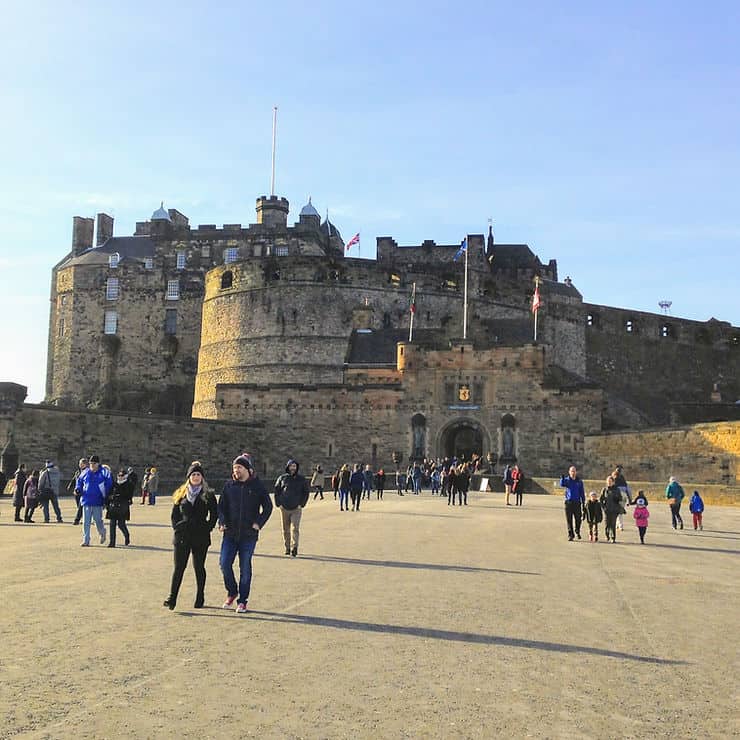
[[118, 506], [194, 515], [611, 500]]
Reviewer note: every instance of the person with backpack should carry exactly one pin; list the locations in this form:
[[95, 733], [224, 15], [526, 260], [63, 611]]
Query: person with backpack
[[675, 495], [696, 507]]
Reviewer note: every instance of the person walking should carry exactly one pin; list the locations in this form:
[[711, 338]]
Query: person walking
[[517, 485], [118, 506], [72, 488], [291, 495], [641, 516], [31, 496], [462, 481], [574, 500], [675, 495], [94, 485], [49, 481], [593, 513], [335, 482], [343, 477], [19, 482], [152, 486], [416, 477], [379, 484], [243, 510], [400, 482], [356, 481], [508, 483], [696, 507], [194, 515], [317, 482], [367, 482], [611, 500], [145, 486]]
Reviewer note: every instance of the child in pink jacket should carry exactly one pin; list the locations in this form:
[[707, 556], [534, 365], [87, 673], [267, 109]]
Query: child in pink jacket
[[641, 515]]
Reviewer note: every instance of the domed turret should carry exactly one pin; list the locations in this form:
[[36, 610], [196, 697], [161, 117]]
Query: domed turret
[[332, 236], [309, 210], [160, 214]]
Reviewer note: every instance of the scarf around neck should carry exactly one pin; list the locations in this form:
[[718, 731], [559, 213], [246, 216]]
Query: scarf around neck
[[193, 492]]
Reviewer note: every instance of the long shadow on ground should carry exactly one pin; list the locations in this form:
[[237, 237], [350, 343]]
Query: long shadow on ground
[[437, 634], [399, 564]]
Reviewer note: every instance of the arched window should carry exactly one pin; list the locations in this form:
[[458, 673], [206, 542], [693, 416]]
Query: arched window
[[227, 280]]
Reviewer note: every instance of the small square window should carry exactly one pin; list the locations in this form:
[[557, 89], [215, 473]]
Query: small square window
[[111, 289], [113, 260], [170, 321], [149, 263], [173, 290], [231, 255], [181, 260], [111, 322]]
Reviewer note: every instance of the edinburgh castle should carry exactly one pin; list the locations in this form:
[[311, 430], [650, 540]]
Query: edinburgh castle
[[200, 340]]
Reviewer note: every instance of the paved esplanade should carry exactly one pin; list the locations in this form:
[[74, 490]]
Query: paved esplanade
[[407, 619]]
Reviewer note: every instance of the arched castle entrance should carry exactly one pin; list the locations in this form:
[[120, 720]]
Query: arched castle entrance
[[463, 437]]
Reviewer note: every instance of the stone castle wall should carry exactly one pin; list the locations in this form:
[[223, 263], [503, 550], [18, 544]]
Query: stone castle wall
[[709, 453]]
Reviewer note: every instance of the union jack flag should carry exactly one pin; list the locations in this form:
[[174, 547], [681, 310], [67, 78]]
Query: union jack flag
[[351, 243]]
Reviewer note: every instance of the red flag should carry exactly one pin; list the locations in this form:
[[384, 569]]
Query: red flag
[[412, 303], [351, 243], [536, 302]]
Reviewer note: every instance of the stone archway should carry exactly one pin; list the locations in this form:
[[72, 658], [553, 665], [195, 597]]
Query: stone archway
[[462, 438]]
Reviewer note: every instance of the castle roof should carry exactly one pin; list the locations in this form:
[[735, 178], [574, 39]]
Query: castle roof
[[328, 229], [309, 210], [131, 247], [160, 214]]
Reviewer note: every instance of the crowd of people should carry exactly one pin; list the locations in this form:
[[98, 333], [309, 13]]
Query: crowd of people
[[245, 505], [611, 506]]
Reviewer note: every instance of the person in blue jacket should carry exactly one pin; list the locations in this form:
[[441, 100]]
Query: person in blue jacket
[[696, 507], [243, 510], [356, 481], [93, 485], [575, 500]]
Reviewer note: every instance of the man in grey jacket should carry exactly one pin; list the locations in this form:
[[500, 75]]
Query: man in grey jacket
[[49, 481]]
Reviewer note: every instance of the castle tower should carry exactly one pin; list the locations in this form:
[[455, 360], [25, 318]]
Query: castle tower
[[272, 211]]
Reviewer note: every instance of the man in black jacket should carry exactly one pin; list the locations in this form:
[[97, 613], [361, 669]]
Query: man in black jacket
[[291, 495], [243, 509]]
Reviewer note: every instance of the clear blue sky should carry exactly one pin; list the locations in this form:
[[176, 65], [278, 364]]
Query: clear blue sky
[[603, 135]]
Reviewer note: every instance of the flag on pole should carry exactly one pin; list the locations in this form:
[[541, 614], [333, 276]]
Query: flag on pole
[[460, 252], [412, 301], [351, 243], [536, 302]]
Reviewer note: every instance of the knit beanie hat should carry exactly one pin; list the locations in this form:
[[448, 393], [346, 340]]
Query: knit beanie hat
[[94, 459], [245, 460], [195, 467], [640, 502]]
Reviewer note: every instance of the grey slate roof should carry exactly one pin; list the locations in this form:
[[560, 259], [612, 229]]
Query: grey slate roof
[[128, 247]]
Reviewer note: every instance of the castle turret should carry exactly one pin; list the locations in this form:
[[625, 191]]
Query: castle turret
[[272, 211]]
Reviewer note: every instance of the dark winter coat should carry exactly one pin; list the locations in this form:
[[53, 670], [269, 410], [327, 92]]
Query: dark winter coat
[[118, 503], [20, 482], [193, 523], [242, 504], [356, 480], [593, 511], [291, 491], [611, 500]]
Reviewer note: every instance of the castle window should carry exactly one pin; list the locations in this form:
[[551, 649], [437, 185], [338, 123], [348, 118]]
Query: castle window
[[111, 289], [735, 340], [592, 319], [110, 325], [170, 321], [386, 320], [281, 251], [629, 326], [149, 263], [113, 260], [227, 280], [181, 260], [173, 290], [61, 328], [395, 279], [231, 255], [667, 331]]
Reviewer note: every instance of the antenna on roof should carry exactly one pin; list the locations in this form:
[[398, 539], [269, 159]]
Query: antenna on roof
[[666, 306], [274, 133]]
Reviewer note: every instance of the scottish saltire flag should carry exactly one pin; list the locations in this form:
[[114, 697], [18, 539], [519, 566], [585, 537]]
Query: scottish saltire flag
[[351, 243], [460, 252]]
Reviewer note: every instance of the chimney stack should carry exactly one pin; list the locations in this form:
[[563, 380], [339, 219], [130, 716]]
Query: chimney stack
[[105, 229], [82, 234]]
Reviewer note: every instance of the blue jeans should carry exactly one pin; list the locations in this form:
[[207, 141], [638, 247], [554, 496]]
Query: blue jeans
[[88, 514], [417, 485], [230, 548], [152, 498], [45, 508]]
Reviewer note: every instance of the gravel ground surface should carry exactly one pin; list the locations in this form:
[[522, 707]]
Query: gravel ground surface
[[407, 619]]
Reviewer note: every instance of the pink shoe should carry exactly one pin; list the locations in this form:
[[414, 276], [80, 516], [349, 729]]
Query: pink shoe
[[241, 608], [229, 602]]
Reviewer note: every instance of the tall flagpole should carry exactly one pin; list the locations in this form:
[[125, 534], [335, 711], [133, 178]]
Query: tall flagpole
[[465, 293], [412, 310], [536, 305], [274, 132]]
